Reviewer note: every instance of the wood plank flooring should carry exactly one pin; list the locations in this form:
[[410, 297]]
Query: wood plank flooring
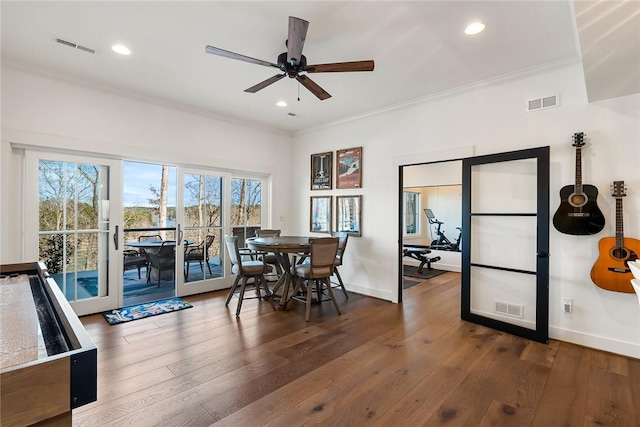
[[378, 364]]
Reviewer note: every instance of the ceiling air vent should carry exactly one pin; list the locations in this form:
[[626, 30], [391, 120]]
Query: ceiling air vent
[[543, 103], [74, 45]]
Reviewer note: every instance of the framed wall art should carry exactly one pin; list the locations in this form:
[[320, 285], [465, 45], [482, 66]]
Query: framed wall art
[[349, 168], [320, 214], [349, 214], [321, 170]]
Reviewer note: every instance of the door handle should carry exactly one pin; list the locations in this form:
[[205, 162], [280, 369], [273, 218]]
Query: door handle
[[542, 254], [115, 238], [180, 234]]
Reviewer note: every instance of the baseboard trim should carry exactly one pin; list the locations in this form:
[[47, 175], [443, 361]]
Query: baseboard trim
[[623, 348]]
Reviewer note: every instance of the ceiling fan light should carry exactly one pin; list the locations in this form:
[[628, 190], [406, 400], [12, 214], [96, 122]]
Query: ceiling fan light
[[121, 49], [281, 104], [474, 28]]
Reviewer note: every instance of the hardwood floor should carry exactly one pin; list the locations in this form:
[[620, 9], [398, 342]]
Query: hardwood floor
[[379, 364]]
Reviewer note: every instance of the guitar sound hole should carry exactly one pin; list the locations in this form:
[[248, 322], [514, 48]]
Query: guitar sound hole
[[577, 200], [620, 253]]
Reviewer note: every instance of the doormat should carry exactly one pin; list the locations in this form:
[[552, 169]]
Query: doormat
[[140, 311], [406, 283], [411, 271]]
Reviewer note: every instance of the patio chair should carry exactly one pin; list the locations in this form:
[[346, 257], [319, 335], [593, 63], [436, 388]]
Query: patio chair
[[199, 254], [161, 259], [244, 270], [133, 259], [317, 272], [271, 258]]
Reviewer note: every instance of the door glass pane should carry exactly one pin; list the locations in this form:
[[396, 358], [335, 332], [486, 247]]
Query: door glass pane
[[504, 187], [504, 295], [74, 226], [203, 210], [504, 241], [246, 207]]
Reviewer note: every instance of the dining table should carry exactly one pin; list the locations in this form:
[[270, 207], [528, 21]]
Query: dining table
[[286, 249]]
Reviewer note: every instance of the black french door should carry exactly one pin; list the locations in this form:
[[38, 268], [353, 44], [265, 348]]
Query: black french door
[[505, 260]]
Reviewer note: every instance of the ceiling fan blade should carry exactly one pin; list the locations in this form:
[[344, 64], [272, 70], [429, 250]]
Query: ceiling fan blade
[[295, 42], [313, 87], [339, 67], [232, 55], [262, 85]]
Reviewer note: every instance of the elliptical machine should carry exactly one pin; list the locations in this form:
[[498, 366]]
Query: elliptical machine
[[441, 243]]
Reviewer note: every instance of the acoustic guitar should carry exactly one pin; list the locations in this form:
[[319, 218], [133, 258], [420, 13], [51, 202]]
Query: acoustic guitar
[[578, 213], [611, 271]]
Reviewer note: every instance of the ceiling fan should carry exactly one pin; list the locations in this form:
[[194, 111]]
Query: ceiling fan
[[292, 62]]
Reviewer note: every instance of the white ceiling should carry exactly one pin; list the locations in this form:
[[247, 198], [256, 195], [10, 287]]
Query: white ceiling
[[419, 50]]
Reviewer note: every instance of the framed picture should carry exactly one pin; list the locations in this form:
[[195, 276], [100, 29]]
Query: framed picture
[[349, 169], [321, 164], [320, 214], [349, 214]]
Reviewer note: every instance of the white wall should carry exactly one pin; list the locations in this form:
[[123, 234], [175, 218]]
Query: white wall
[[490, 119], [49, 112]]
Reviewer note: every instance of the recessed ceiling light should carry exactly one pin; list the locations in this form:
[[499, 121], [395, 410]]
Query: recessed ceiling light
[[122, 50], [281, 104], [474, 28]]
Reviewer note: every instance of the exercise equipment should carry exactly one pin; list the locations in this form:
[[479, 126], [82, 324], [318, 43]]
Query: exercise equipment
[[419, 252], [441, 243]]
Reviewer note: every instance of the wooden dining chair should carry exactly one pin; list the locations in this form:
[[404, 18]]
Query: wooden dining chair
[[316, 273], [271, 258], [253, 268], [342, 236]]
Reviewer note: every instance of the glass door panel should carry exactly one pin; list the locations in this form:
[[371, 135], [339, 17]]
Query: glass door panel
[[69, 229], [246, 207], [505, 269], [202, 212]]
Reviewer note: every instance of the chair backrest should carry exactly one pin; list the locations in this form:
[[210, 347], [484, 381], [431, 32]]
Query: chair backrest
[[342, 236], [163, 255], [323, 255], [232, 248], [209, 241], [267, 233], [147, 238]]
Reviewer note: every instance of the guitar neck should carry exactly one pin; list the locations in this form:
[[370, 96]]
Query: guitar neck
[[578, 186], [619, 224]]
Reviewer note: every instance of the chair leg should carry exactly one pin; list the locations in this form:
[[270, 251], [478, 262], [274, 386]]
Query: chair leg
[[337, 273], [333, 299], [209, 267], [307, 313], [231, 291], [241, 295], [268, 295]]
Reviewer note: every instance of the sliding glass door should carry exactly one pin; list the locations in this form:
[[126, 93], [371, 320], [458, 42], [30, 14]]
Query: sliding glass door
[[70, 220], [203, 209]]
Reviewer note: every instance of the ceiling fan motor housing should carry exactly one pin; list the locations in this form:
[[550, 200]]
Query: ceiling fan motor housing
[[291, 70]]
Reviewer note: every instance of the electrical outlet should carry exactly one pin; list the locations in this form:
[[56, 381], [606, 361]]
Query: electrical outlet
[[567, 305]]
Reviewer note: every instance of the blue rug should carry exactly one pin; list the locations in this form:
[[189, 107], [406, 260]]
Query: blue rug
[[139, 311]]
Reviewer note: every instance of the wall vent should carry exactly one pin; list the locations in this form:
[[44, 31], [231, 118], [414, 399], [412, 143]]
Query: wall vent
[[543, 103], [75, 45], [513, 310]]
